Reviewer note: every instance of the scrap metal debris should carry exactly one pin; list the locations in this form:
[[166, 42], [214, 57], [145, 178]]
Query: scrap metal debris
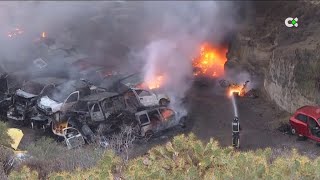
[[240, 90]]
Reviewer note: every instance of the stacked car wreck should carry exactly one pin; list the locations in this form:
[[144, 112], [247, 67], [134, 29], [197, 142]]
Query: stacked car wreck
[[78, 99]]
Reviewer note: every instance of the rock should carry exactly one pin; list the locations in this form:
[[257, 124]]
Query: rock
[[287, 59]]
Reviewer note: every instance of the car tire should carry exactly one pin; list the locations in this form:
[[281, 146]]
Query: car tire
[[292, 131]]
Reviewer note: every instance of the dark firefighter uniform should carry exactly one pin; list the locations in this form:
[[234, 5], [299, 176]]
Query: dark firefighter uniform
[[235, 132]]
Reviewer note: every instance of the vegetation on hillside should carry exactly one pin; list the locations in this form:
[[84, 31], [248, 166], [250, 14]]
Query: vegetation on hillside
[[5, 152], [186, 157]]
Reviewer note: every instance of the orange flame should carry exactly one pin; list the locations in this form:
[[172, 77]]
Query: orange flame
[[235, 89], [210, 61], [155, 83], [43, 35]]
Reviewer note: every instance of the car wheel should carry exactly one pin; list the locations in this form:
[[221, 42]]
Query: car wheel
[[164, 102], [292, 130]]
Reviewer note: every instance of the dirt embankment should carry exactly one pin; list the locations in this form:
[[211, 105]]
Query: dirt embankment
[[286, 58]]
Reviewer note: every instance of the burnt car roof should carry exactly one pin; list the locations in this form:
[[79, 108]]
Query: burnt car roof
[[151, 109], [99, 96], [49, 80], [132, 80], [73, 85], [24, 94], [109, 81]]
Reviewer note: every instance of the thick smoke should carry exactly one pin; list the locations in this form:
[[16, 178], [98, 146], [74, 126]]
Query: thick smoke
[[175, 32], [58, 19], [156, 37]]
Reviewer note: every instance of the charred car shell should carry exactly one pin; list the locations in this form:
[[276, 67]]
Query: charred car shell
[[51, 106], [24, 100], [154, 120]]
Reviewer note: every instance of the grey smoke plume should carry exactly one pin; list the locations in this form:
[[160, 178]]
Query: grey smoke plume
[[175, 31], [153, 36]]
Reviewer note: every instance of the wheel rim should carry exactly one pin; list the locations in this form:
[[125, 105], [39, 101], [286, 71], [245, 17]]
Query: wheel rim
[[293, 131]]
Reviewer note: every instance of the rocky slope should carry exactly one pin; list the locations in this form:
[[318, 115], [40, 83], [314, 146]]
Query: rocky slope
[[288, 59]]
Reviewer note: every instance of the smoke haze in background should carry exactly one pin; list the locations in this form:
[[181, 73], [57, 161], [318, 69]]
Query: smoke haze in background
[[156, 37], [175, 32]]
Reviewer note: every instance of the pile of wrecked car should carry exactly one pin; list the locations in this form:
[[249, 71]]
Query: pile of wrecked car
[[70, 96], [79, 111]]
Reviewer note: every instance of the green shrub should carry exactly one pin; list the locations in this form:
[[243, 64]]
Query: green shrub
[[5, 139], [186, 157]]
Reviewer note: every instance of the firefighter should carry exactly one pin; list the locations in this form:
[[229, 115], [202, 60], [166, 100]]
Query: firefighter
[[236, 132]]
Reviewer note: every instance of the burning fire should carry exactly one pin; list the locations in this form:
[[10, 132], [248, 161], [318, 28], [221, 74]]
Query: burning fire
[[43, 35], [210, 61], [239, 90], [155, 83]]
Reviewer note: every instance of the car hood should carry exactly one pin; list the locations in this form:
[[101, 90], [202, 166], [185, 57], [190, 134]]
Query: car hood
[[24, 94], [47, 102]]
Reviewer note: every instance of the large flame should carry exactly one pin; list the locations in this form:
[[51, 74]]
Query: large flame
[[235, 89], [156, 82], [43, 34], [210, 61]]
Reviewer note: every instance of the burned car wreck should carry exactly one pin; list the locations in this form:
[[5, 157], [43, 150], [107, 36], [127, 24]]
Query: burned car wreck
[[51, 106], [238, 89], [98, 114], [155, 120], [135, 90], [24, 100]]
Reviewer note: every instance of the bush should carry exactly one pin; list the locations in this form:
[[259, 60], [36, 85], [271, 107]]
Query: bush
[[5, 153], [185, 157], [49, 156], [5, 139]]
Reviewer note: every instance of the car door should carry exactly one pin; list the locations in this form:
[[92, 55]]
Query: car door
[[96, 112], [300, 124], [169, 117], [144, 121], [156, 121], [70, 101], [314, 129], [146, 98]]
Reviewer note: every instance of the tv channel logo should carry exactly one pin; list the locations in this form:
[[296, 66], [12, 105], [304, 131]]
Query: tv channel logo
[[291, 22]]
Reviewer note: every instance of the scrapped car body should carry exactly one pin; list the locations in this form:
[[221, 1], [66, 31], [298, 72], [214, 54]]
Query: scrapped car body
[[50, 108], [129, 86], [305, 122], [136, 97], [24, 100], [238, 89], [154, 120], [73, 137], [94, 112], [145, 97]]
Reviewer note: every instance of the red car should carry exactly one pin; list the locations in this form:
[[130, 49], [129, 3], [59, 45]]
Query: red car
[[306, 122]]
